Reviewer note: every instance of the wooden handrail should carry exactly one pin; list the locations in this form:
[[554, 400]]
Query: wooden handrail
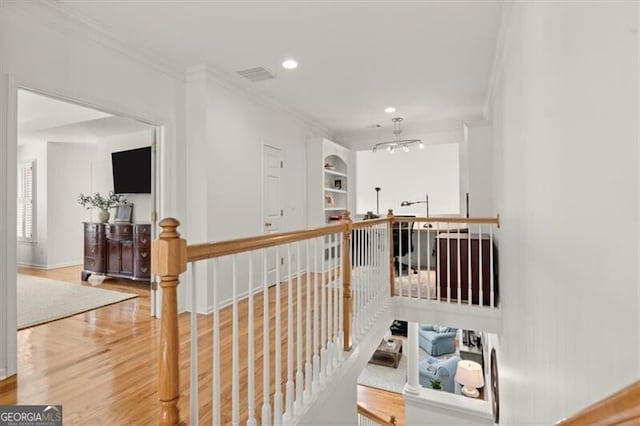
[[451, 219], [369, 223], [621, 408], [224, 248], [375, 417]]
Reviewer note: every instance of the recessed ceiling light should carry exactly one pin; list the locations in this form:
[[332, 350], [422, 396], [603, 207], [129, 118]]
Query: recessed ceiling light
[[290, 64], [389, 109]]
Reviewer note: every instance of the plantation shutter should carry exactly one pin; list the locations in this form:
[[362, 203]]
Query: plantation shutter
[[25, 208]]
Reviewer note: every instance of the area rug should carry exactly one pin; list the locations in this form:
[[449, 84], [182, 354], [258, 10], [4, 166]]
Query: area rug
[[422, 285], [42, 300]]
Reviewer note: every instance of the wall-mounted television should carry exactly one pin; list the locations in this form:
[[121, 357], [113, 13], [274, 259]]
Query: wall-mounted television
[[132, 171]]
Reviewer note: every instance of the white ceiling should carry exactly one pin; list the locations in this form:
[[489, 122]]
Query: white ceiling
[[430, 59], [44, 118]]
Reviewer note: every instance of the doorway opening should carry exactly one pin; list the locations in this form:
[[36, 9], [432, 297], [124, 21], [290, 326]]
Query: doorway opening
[[69, 259]]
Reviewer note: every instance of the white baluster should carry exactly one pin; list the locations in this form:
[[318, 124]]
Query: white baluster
[[459, 270], [419, 260], [323, 311], [251, 390], [493, 304], [429, 263], [438, 272], [469, 276], [480, 262], [235, 349], [299, 361], [399, 271], [329, 276], [216, 348], [336, 299], [448, 264], [409, 271], [277, 397], [290, 387], [266, 380], [193, 371], [340, 342], [316, 306], [308, 367]]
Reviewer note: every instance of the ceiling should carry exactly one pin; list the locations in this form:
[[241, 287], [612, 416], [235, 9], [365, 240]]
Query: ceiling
[[429, 59], [44, 118]]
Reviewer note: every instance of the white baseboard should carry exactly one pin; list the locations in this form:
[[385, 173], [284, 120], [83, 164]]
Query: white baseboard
[[48, 267], [3, 373]]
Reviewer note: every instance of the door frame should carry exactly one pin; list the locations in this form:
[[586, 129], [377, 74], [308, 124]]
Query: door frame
[[9, 86]]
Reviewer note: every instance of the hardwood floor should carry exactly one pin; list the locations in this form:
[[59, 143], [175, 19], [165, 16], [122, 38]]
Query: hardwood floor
[[101, 365]]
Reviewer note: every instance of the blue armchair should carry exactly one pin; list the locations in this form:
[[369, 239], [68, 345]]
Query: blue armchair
[[443, 370], [436, 342]]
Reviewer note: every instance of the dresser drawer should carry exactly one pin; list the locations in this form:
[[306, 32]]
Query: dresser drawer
[[119, 232], [94, 264]]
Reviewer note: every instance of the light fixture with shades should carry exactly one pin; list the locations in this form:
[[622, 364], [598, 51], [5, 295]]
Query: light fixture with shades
[[469, 375], [398, 142]]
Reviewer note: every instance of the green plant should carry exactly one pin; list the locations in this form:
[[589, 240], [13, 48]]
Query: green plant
[[436, 384], [97, 201]]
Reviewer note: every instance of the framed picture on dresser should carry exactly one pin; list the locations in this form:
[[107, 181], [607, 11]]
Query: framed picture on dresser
[[123, 213]]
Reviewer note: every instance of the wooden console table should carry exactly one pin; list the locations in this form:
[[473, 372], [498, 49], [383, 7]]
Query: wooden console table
[[121, 250]]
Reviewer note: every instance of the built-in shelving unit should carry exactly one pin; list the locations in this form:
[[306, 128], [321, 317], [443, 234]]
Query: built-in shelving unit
[[329, 181], [329, 186]]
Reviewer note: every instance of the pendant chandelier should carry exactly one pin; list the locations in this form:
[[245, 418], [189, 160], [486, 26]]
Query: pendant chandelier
[[397, 142]]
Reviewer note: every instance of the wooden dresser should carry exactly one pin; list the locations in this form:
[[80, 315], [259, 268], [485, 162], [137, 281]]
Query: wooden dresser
[[121, 250]]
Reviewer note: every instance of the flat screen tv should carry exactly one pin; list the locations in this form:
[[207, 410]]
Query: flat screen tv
[[132, 171]]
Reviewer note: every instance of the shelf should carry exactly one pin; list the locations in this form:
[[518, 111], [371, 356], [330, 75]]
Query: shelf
[[337, 191], [334, 209], [333, 172]]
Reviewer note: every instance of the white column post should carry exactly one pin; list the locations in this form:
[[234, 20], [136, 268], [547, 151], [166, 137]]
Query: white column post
[[413, 384]]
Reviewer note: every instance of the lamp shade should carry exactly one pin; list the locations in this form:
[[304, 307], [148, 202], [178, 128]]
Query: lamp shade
[[469, 374]]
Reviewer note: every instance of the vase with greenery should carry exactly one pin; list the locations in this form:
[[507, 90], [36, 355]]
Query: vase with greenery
[[436, 384], [102, 203]]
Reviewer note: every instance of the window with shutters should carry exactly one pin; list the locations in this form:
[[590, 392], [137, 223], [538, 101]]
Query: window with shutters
[[26, 198]]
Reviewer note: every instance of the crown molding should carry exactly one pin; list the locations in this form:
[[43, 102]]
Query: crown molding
[[499, 56], [61, 18], [253, 93]]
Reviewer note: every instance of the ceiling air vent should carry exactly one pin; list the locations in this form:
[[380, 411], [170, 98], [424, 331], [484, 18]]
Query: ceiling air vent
[[257, 74]]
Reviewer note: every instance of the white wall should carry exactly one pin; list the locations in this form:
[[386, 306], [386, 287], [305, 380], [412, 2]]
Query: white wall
[[401, 176], [432, 407], [224, 163], [34, 253], [565, 114], [65, 235], [102, 172], [46, 51], [479, 171]]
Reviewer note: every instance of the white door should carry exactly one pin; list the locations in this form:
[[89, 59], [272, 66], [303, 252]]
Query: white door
[[273, 210]]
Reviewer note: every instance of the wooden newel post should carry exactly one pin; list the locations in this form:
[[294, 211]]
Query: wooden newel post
[[346, 285], [168, 261], [392, 272]]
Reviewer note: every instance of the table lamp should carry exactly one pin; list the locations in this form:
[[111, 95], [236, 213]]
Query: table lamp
[[469, 375]]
